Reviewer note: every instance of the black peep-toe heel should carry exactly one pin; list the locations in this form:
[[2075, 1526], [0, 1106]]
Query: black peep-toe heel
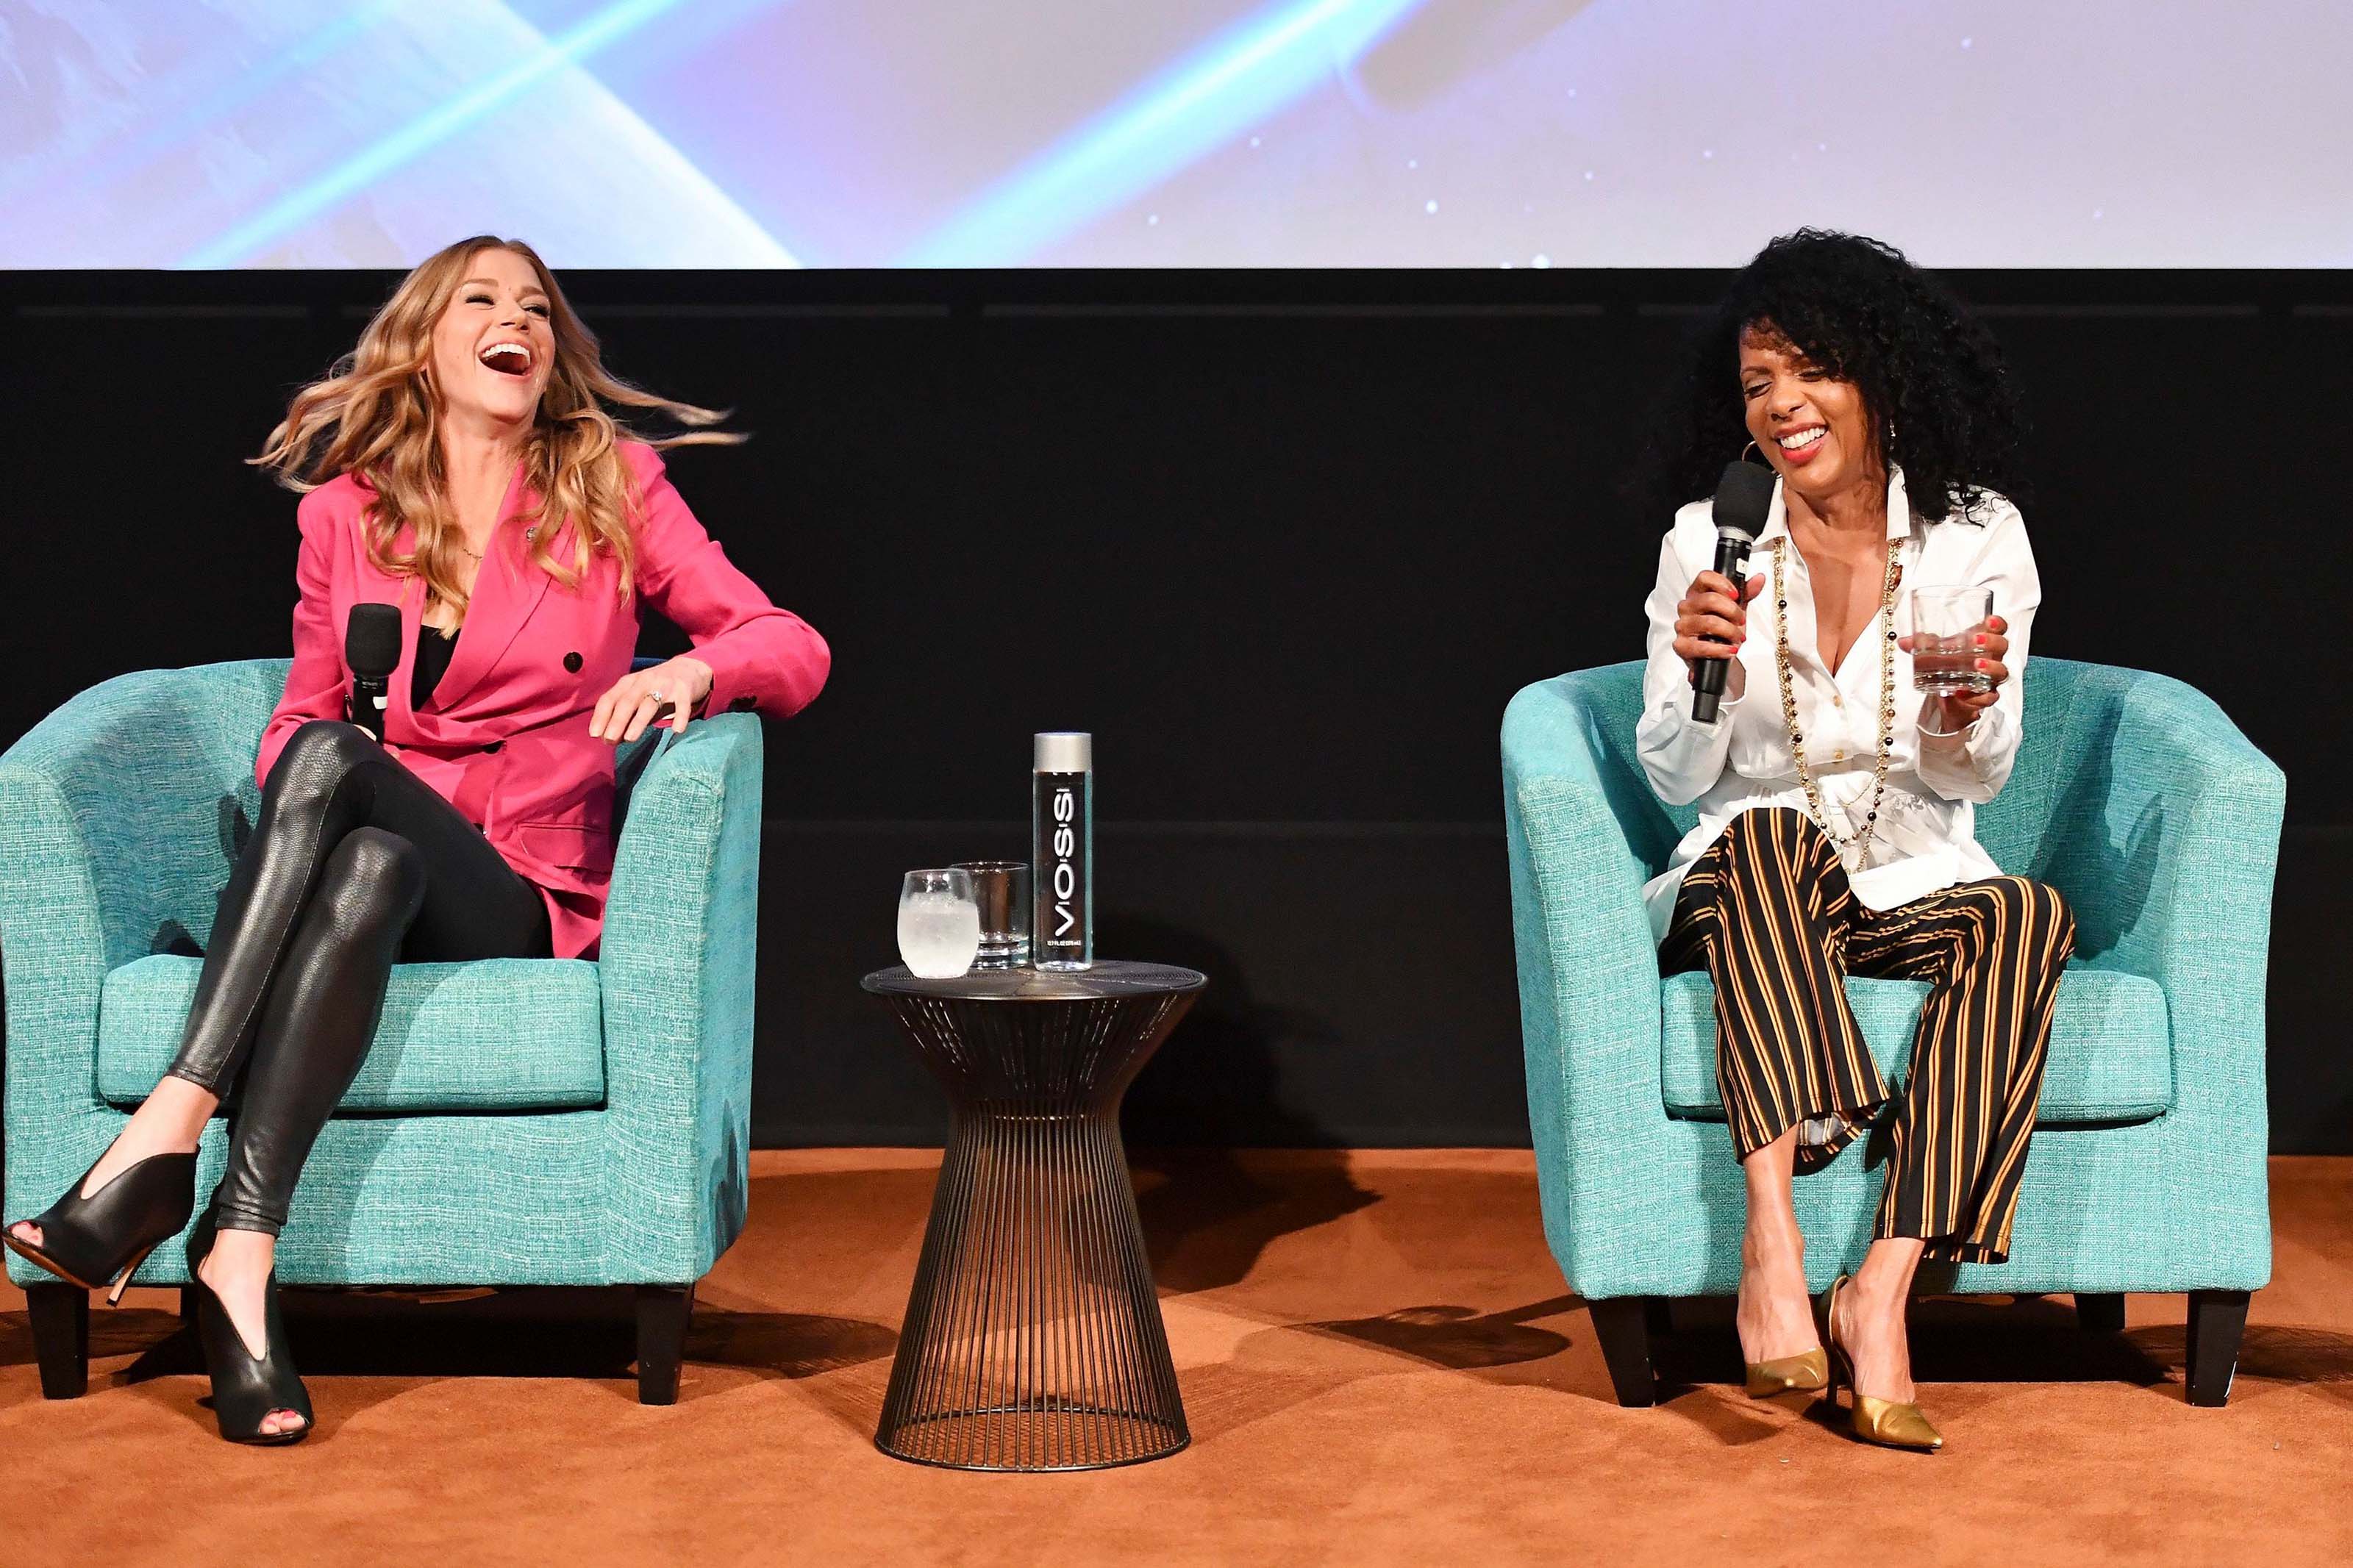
[[246, 1389], [98, 1242]]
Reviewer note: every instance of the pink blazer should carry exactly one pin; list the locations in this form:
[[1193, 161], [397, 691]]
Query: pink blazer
[[505, 738]]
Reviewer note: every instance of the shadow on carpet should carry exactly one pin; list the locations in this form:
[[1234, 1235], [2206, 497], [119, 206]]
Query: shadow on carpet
[[1457, 1338], [2028, 1339], [538, 1333], [1207, 1216]]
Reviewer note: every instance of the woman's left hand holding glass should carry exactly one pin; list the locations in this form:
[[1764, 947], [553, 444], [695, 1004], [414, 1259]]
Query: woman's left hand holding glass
[[1960, 709], [640, 697]]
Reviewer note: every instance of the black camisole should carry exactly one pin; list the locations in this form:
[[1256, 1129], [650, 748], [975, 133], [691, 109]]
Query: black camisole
[[433, 651]]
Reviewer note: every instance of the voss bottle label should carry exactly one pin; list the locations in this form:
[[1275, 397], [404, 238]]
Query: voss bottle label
[[1063, 931]]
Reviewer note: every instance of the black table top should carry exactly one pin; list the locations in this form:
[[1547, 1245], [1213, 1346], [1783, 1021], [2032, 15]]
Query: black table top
[[1110, 978]]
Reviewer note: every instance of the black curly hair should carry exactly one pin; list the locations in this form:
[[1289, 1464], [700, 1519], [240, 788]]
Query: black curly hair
[[1932, 378]]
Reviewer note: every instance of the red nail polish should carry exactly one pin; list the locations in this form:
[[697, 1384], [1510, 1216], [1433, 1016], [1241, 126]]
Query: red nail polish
[[1981, 640], [1983, 665]]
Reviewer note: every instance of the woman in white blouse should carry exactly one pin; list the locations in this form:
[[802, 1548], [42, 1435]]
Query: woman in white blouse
[[1836, 803]]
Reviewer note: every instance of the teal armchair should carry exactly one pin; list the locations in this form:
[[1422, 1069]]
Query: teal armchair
[[2135, 797], [517, 1122]]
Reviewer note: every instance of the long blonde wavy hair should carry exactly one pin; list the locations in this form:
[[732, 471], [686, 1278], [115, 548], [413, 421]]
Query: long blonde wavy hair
[[376, 416]]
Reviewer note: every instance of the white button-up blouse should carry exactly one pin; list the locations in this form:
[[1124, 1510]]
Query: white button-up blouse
[[1925, 836]]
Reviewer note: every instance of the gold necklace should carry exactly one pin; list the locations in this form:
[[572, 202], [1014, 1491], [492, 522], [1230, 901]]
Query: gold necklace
[[1861, 842]]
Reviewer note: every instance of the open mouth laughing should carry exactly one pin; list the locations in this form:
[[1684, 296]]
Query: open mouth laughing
[[1799, 446], [508, 358]]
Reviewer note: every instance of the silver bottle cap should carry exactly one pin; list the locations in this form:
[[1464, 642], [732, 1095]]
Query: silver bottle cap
[[1062, 752]]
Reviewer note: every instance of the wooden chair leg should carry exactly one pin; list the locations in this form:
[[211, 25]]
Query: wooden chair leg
[[60, 1318], [1623, 1325], [662, 1314], [2218, 1318], [2100, 1314]]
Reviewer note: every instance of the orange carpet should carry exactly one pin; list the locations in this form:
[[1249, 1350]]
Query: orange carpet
[[1377, 1357]]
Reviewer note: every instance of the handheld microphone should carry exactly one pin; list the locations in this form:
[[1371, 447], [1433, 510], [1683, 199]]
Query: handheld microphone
[[372, 649], [1743, 496]]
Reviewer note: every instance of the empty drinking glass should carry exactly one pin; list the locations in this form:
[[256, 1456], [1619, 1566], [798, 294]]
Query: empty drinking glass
[[939, 924], [1001, 888], [1945, 624]]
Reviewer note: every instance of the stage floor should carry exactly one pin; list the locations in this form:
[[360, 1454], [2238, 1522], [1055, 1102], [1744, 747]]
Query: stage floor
[[1377, 1357]]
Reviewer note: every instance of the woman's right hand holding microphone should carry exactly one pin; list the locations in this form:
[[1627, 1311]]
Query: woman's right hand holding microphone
[[1713, 618]]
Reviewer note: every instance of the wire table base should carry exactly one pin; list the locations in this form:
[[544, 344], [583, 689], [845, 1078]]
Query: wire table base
[[1033, 1339]]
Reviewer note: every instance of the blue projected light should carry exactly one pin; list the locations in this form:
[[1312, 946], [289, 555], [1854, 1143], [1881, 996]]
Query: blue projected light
[[226, 89], [768, 134], [1230, 85], [428, 131]]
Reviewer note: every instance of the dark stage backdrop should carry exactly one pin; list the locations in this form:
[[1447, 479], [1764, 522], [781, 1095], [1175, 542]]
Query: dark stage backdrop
[[1286, 543]]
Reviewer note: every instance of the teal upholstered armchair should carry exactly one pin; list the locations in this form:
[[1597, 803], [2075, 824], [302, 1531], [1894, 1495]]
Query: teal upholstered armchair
[[2133, 795], [517, 1122]]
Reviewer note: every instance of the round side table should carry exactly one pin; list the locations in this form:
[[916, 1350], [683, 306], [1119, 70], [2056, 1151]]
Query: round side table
[[1033, 1339]]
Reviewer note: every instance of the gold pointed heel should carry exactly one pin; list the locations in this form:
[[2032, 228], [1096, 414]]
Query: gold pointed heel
[[1882, 1421], [1789, 1374]]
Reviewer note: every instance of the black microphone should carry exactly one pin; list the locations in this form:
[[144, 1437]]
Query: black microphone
[[372, 649], [1743, 496]]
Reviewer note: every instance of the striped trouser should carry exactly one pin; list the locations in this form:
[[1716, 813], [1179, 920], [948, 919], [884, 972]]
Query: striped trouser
[[1768, 912]]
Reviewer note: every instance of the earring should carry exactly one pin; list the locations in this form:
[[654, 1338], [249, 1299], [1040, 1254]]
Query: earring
[[1752, 446]]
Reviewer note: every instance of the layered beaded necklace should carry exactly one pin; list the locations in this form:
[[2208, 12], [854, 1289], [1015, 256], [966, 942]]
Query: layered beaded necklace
[[1861, 842]]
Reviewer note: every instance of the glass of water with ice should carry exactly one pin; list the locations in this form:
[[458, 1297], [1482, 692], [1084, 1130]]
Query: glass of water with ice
[[939, 924]]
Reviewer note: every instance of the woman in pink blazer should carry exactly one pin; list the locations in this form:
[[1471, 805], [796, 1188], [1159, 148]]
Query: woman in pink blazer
[[461, 466]]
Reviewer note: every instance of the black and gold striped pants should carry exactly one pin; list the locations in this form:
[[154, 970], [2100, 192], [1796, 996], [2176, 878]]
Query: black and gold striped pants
[[1768, 912]]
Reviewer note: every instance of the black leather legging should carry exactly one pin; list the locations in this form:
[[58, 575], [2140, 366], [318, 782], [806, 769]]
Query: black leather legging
[[356, 864]]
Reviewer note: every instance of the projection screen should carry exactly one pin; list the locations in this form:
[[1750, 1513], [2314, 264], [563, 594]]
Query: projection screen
[[730, 133]]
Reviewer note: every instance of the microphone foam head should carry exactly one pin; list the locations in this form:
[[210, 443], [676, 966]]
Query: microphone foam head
[[372, 641], [1743, 496]]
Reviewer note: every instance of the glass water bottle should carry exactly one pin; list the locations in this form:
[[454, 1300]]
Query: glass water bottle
[[1063, 844]]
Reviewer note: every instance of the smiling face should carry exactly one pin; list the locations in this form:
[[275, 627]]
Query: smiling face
[[492, 348], [1812, 428]]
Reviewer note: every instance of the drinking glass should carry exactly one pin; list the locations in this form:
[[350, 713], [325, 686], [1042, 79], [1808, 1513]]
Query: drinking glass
[[1001, 888], [939, 924], [1945, 624]]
